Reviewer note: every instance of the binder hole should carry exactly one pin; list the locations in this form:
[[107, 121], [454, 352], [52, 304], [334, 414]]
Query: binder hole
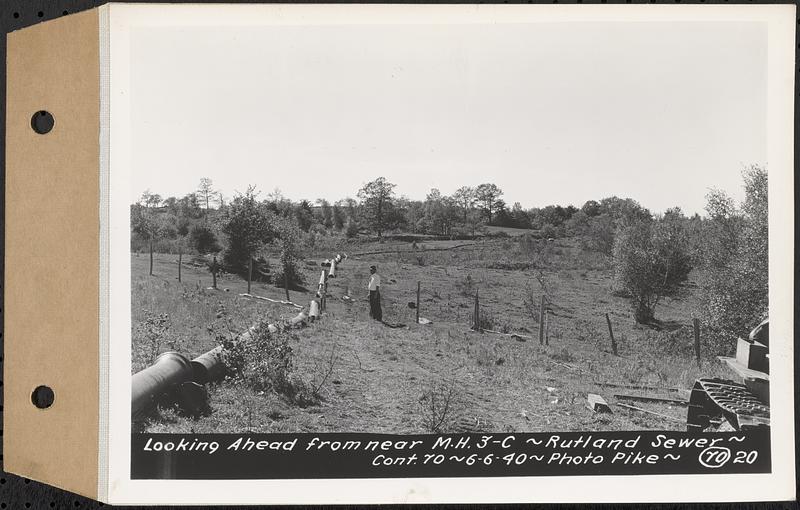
[[42, 122], [42, 397], [40, 14], [16, 15]]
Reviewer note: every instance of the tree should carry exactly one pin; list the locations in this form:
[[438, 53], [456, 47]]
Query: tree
[[150, 200], [351, 228], [623, 209], [326, 213], [189, 207], [288, 241], [304, 215], [591, 208], [376, 198], [519, 216], [206, 192], [203, 239], [440, 213], [650, 261], [249, 226], [464, 198], [736, 261], [338, 217], [488, 198], [144, 221], [600, 234]]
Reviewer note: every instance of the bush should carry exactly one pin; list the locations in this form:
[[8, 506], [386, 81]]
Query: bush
[[264, 361], [440, 407], [650, 261], [351, 228], [488, 321], [289, 239], [737, 263], [249, 226], [203, 239], [466, 286], [149, 336], [550, 231]]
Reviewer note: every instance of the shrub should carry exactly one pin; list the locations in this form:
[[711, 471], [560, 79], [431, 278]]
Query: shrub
[[439, 406], [151, 333], [650, 261], [249, 226], [585, 330], [289, 239], [488, 321], [563, 355], [466, 286], [550, 231], [351, 228], [599, 234], [264, 361], [203, 239], [736, 261]]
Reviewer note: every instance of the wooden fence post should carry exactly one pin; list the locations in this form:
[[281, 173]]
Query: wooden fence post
[[541, 322], [696, 324], [286, 283], [249, 273], [611, 334], [418, 286], [476, 319], [151, 257], [214, 272], [180, 262], [547, 329]]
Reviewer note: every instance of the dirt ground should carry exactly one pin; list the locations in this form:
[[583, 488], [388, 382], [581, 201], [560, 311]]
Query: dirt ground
[[380, 379]]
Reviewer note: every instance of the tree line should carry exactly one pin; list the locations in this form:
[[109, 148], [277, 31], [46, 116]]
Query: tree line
[[652, 254]]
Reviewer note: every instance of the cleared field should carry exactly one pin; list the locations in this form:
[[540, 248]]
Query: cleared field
[[380, 379]]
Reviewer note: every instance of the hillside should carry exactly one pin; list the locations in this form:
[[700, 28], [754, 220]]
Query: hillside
[[375, 378]]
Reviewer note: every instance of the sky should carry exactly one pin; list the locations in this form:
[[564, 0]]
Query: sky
[[553, 113]]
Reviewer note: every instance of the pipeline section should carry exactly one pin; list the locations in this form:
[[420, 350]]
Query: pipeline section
[[174, 376]]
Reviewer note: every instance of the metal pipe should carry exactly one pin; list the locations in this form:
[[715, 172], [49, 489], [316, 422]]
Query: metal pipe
[[313, 310], [299, 320], [208, 367], [321, 288], [332, 272], [169, 369]]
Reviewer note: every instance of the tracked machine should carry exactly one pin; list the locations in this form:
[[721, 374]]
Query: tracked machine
[[742, 404]]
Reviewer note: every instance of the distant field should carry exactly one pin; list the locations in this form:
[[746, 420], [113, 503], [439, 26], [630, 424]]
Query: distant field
[[511, 231], [381, 375]]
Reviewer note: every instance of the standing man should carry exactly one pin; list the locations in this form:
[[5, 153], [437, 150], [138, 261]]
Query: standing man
[[375, 294]]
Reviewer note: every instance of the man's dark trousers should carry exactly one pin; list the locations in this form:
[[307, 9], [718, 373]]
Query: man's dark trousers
[[375, 305]]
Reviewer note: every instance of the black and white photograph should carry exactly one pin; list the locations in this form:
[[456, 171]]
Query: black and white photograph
[[447, 226]]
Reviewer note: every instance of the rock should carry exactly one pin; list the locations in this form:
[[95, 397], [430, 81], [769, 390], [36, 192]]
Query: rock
[[597, 403]]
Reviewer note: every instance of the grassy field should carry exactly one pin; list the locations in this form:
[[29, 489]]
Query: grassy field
[[373, 378]]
